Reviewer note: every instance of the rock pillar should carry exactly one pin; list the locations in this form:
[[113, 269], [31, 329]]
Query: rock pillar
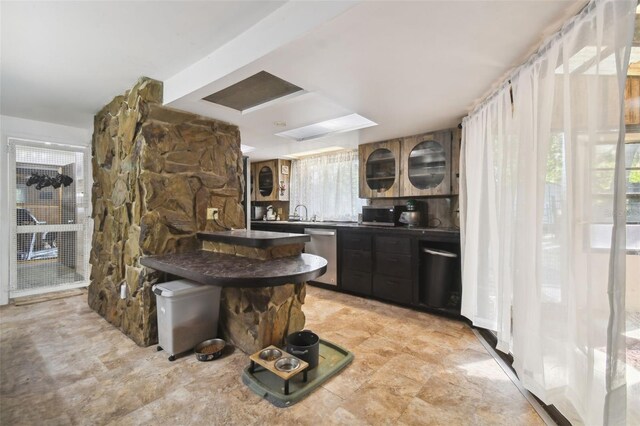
[[155, 171], [254, 318]]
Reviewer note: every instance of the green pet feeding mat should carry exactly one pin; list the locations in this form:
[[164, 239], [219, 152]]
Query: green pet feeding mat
[[333, 359]]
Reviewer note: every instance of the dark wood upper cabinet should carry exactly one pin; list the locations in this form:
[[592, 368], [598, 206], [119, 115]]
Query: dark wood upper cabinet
[[413, 166], [379, 175], [426, 160], [271, 180]]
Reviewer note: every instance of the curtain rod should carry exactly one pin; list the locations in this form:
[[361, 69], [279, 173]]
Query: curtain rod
[[535, 56]]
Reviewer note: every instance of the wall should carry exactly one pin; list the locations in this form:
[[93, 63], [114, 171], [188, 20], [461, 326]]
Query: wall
[[156, 171], [441, 212], [14, 127]]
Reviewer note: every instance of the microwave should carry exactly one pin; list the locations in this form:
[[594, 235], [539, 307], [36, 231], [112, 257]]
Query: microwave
[[382, 216]]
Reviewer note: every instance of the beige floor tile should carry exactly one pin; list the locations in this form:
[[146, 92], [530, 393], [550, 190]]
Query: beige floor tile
[[349, 380], [343, 417], [317, 408], [377, 404], [419, 412], [61, 363]]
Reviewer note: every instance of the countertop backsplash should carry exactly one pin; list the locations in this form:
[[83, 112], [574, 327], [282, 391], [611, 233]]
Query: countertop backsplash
[[441, 211]]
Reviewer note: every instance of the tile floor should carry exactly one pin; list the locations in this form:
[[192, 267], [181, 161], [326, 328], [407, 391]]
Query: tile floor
[[61, 363]]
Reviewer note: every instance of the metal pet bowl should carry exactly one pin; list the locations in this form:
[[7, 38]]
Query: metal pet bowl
[[287, 364], [209, 349], [270, 354]]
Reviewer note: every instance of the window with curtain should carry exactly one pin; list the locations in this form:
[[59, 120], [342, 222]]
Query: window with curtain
[[547, 213], [327, 185]]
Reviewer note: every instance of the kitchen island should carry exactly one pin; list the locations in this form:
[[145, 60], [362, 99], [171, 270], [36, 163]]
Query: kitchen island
[[227, 270], [262, 275]]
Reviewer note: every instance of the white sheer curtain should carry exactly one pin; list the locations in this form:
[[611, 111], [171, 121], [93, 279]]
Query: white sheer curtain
[[543, 168], [327, 185]]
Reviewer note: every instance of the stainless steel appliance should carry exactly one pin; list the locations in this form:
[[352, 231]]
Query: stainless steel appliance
[[258, 212], [411, 218], [382, 216], [323, 243]]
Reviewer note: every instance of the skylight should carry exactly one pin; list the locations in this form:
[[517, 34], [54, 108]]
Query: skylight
[[346, 123]]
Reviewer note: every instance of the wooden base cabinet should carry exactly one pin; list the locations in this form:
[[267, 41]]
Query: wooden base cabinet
[[393, 269], [377, 265], [356, 282], [393, 289], [355, 262]]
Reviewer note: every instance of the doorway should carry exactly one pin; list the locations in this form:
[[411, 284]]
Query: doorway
[[49, 198]]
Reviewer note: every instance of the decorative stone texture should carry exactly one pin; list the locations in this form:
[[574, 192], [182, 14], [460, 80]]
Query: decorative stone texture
[[254, 318], [155, 171], [252, 252]]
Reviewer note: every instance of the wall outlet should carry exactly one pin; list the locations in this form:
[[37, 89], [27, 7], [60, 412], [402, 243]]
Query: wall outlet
[[212, 213]]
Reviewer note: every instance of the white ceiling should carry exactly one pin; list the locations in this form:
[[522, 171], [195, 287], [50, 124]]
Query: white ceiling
[[409, 66], [63, 60]]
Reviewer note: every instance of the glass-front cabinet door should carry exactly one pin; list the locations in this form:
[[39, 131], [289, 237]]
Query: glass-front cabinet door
[[271, 180], [265, 181], [427, 164], [380, 169]]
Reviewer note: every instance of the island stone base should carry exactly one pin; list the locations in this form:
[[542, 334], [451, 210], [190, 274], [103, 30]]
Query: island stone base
[[254, 318]]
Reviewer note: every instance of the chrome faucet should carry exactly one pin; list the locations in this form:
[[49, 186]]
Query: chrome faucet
[[306, 213]]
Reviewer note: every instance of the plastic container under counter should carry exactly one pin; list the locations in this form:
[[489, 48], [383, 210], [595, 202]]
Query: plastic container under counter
[[187, 314]]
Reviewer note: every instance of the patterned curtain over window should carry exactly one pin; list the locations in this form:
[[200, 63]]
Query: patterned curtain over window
[[327, 185]]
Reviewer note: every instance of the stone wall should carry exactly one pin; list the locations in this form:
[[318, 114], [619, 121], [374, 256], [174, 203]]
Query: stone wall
[[155, 171], [254, 318]]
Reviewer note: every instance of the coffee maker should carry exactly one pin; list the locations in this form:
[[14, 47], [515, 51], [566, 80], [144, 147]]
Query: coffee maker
[[411, 217]]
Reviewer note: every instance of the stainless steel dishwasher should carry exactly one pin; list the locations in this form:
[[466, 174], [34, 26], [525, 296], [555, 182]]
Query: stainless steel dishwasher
[[323, 243]]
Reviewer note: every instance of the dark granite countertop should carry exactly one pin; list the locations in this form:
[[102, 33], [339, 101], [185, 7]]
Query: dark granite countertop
[[227, 270], [257, 239], [417, 231]]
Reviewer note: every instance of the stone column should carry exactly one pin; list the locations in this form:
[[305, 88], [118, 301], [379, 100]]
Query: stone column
[[254, 318], [155, 171]]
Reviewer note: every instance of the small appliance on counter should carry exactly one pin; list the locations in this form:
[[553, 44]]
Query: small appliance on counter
[[258, 212], [271, 215], [411, 217], [382, 216]]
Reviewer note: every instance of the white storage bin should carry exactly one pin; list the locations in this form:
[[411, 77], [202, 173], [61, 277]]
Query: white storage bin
[[187, 314]]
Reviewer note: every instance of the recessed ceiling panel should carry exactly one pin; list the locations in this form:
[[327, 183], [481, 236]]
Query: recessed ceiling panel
[[337, 125], [256, 90]]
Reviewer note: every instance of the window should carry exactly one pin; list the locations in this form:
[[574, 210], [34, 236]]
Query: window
[[327, 185]]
